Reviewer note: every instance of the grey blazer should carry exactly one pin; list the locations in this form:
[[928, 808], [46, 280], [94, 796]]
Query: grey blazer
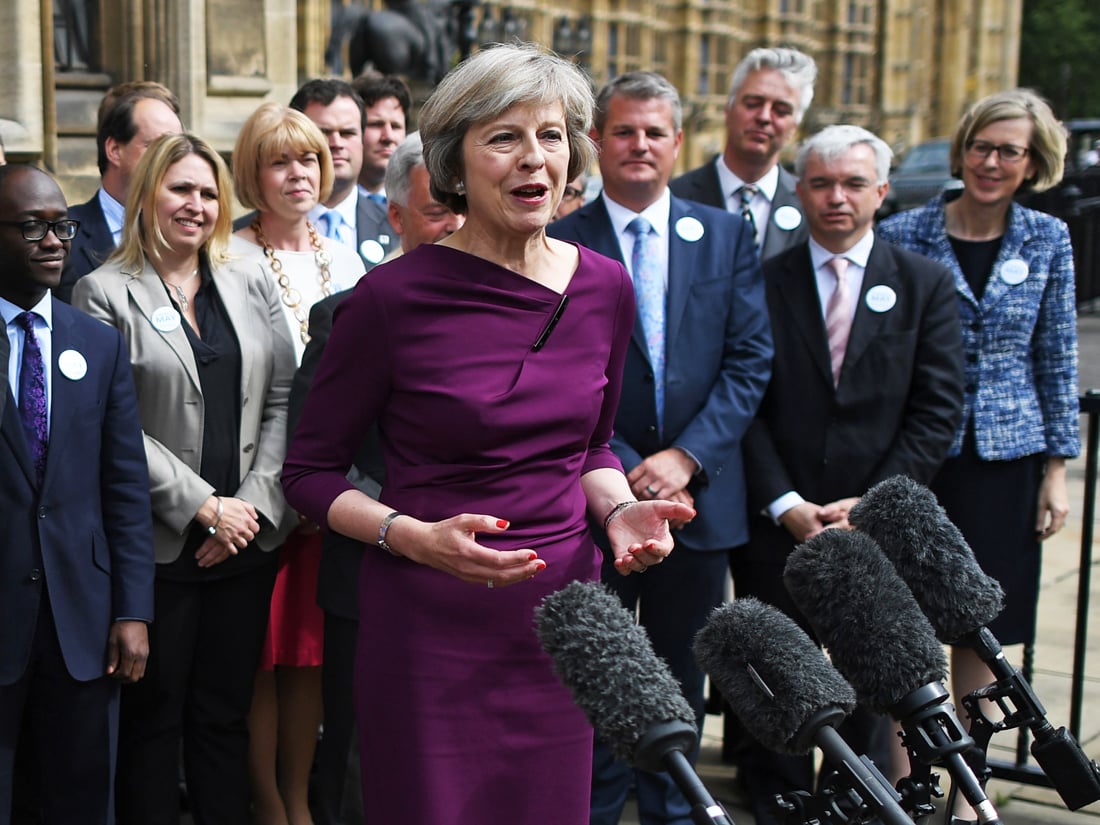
[[170, 397]]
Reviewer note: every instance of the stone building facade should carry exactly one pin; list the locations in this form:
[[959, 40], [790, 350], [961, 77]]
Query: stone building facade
[[904, 68]]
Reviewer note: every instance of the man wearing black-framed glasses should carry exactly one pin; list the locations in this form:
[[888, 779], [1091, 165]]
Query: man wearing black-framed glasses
[[36, 230]]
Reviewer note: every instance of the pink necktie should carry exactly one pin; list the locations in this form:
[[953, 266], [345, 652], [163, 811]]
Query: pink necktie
[[838, 317]]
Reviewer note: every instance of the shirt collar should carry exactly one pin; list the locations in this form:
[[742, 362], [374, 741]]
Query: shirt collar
[[730, 182], [113, 211], [656, 213], [346, 208], [858, 254], [43, 308]]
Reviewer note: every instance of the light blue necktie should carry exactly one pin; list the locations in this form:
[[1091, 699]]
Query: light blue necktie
[[649, 289], [333, 220], [378, 198]]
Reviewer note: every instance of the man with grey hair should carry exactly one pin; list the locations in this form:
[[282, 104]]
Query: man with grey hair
[[866, 384], [769, 94], [694, 375], [414, 214]]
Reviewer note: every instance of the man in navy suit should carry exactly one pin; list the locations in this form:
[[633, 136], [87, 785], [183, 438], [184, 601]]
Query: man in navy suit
[[769, 94], [76, 567], [716, 352], [866, 383], [131, 116]]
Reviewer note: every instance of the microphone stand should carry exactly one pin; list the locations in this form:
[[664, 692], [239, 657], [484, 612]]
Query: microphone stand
[[662, 748], [1071, 772], [933, 735]]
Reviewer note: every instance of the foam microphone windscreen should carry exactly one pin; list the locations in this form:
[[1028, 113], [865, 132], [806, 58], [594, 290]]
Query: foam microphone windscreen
[[772, 674], [865, 615], [931, 555], [608, 663]]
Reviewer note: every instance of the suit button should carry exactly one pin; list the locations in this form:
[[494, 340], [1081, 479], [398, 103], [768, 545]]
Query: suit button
[[41, 512], [976, 326], [972, 358], [248, 447], [652, 428], [970, 389], [35, 575]]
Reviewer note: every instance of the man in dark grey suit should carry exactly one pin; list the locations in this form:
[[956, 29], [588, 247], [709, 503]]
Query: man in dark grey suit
[[769, 94], [131, 116], [419, 219], [866, 383], [350, 215]]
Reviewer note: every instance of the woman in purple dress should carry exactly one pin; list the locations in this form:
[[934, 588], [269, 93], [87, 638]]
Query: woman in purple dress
[[492, 365]]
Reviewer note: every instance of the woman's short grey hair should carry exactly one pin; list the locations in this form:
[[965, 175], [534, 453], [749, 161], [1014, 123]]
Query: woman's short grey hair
[[798, 68], [638, 86], [1046, 149], [485, 86], [833, 141], [408, 155]]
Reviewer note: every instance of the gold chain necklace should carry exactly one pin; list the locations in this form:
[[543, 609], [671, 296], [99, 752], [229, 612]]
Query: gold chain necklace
[[292, 297]]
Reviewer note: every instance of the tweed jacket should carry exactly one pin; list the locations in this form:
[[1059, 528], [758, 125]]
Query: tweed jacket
[[1019, 341]]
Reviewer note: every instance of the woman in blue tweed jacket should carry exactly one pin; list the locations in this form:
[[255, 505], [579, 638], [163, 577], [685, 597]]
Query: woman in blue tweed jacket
[[1005, 484]]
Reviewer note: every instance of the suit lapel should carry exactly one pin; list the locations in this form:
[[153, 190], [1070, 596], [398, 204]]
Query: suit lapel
[[148, 294], [595, 231], [11, 431], [682, 258], [798, 296], [64, 391], [775, 238], [867, 325], [5, 354]]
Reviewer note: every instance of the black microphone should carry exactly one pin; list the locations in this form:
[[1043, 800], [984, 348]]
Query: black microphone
[[627, 693], [880, 640], [959, 599], [790, 698]]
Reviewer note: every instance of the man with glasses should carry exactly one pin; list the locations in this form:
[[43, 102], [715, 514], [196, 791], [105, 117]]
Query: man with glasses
[[572, 198], [76, 572]]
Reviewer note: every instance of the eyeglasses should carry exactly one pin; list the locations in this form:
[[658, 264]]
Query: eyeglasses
[[35, 230], [1006, 151], [571, 193]]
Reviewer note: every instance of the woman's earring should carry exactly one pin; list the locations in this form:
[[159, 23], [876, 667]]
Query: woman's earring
[[460, 188]]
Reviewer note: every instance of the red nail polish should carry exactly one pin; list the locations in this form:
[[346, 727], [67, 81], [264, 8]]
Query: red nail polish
[[502, 523], [540, 566], [533, 556]]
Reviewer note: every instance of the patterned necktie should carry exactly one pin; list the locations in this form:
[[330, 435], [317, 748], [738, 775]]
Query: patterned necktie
[[649, 288], [333, 220], [838, 317], [32, 394], [747, 193]]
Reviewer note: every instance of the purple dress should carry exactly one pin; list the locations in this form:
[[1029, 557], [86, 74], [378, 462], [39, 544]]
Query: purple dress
[[461, 718]]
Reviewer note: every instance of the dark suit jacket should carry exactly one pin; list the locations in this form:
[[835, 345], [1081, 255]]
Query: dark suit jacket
[[702, 185], [86, 534], [718, 360], [338, 578], [898, 402], [372, 225], [90, 248]]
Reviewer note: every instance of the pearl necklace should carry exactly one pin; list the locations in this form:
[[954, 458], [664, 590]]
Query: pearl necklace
[[183, 302], [292, 297]]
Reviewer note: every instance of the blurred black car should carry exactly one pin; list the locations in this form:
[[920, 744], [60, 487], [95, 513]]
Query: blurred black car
[[923, 173]]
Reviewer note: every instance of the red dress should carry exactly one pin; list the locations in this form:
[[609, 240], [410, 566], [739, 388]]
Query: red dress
[[461, 717]]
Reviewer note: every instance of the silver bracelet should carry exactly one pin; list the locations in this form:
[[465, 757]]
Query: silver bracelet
[[384, 528], [213, 528], [615, 511]]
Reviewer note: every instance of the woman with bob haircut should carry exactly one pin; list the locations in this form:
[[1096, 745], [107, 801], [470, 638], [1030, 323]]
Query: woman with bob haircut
[[282, 168], [213, 363], [492, 362], [1004, 484]]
